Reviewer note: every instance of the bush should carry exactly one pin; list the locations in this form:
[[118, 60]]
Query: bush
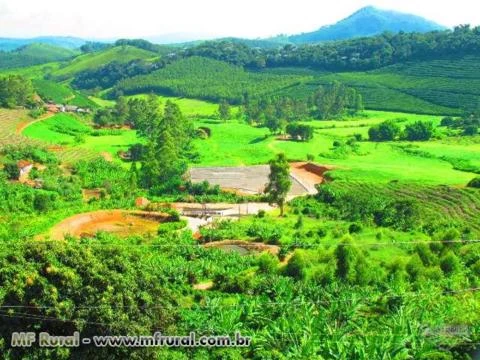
[[323, 274], [447, 121], [261, 214], [449, 263], [297, 265], [267, 263], [299, 224], [415, 268], [418, 131], [44, 201], [168, 227], [354, 228], [386, 131], [11, 170], [265, 232], [425, 254], [470, 130], [321, 232], [474, 183]]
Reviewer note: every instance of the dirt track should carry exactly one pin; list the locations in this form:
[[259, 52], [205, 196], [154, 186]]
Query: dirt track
[[119, 222]]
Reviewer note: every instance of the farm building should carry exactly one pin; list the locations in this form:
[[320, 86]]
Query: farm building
[[24, 168]]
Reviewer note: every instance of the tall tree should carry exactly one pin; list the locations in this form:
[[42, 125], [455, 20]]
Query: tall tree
[[224, 110], [279, 181], [168, 145]]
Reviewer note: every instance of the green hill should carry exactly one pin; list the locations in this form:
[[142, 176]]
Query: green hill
[[34, 54], [207, 79], [428, 87], [122, 54]]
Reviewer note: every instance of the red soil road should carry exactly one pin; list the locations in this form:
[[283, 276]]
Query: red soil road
[[120, 222]]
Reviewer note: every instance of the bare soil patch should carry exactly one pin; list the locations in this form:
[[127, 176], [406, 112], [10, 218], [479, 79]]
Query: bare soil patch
[[120, 222], [311, 173]]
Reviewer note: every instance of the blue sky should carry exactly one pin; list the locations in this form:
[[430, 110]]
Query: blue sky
[[205, 18]]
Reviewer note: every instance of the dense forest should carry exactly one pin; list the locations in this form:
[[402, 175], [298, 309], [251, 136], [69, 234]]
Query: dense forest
[[207, 79], [349, 55]]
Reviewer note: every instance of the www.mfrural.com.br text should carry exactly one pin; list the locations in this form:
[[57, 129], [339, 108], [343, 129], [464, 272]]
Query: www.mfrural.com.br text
[[44, 339]]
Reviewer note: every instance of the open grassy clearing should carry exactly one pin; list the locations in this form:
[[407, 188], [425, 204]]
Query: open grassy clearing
[[189, 107], [368, 161]]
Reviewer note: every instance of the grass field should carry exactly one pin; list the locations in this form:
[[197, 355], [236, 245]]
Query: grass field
[[367, 161], [91, 61], [189, 107]]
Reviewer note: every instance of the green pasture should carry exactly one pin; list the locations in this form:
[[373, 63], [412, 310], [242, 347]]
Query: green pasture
[[235, 143], [189, 107]]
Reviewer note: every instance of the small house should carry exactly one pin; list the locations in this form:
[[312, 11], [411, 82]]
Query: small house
[[24, 168], [52, 108], [71, 108]]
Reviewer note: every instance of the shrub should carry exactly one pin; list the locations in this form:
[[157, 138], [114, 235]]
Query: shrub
[[425, 254], [44, 201], [447, 121], [265, 232], [321, 232], [470, 130], [433, 273], [11, 170], [323, 274], [418, 131], [297, 265], [415, 267], [386, 131], [299, 224], [474, 183], [267, 263], [168, 227], [261, 214], [449, 263], [354, 228]]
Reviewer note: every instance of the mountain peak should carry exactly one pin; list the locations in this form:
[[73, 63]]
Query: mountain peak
[[368, 21]]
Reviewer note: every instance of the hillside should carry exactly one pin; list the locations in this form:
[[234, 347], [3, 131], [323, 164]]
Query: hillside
[[67, 42], [430, 87], [121, 54], [207, 79], [34, 54], [368, 21]]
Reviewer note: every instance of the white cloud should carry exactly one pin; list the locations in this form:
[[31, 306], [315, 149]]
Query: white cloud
[[249, 18]]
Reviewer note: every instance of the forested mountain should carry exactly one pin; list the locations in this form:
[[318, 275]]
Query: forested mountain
[[368, 21]]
